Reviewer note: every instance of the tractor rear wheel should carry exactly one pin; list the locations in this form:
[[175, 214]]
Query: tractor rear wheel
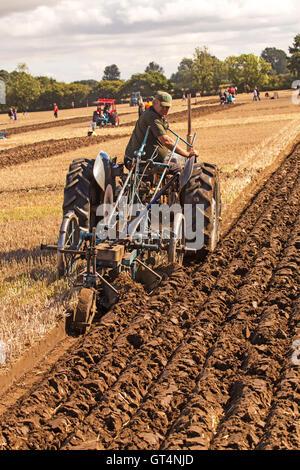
[[202, 192], [115, 119], [82, 195]]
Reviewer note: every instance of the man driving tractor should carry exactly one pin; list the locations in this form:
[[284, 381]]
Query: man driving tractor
[[155, 117]]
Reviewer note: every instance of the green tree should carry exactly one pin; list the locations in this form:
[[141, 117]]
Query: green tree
[[296, 45], [208, 71], [146, 83], [111, 89], [277, 58], [22, 89], [248, 68], [89, 82], [4, 75], [186, 64], [294, 60], [76, 92], [294, 64], [182, 80], [111, 72], [154, 67]]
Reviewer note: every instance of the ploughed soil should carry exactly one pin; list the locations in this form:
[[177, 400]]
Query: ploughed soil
[[208, 360], [48, 148]]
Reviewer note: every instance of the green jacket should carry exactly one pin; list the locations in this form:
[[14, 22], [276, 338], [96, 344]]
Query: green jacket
[[158, 127]]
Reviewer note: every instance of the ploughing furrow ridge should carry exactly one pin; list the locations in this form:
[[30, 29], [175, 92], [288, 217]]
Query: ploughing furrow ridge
[[201, 363]]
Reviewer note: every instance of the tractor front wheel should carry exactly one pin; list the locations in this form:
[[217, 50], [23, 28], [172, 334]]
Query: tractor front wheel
[[69, 236]]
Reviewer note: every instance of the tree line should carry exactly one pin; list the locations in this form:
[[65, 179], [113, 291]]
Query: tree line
[[202, 73]]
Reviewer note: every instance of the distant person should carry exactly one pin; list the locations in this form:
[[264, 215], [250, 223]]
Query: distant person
[[15, 114], [55, 109], [73, 105], [141, 106], [106, 109], [255, 94], [149, 103], [11, 114], [230, 98]]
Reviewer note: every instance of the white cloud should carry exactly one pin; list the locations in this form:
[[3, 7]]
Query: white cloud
[[20, 6], [69, 40]]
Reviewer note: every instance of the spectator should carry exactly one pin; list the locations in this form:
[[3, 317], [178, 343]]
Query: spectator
[[255, 94], [11, 114], [15, 114], [148, 103], [221, 96], [99, 111], [141, 106], [55, 109], [106, 108]]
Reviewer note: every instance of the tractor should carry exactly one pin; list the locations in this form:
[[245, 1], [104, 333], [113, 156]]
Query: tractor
[[3, 134], [134, 98], [133, 219], [109, 114]]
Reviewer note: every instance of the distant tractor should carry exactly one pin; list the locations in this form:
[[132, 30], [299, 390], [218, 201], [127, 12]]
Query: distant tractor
[[3, 134], [109, 114], [134, 98]]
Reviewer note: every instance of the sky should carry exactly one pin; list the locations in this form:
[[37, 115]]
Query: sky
[[72, 40]]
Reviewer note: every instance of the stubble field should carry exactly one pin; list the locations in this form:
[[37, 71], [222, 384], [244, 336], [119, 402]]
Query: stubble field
[[203, 363]]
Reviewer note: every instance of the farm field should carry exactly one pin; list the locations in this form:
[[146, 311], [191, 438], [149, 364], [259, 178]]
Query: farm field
[[205, 361]]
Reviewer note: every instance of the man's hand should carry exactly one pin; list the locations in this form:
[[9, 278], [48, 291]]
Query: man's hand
[[193, 152], [168, 142]]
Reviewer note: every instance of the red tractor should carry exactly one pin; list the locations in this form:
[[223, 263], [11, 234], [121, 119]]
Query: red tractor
[[106, 113]]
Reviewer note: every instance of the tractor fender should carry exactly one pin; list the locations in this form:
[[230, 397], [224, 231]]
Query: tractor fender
[[102, 170], [186, 172]]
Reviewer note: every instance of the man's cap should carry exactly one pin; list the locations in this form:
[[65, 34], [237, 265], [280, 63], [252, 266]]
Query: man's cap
[[164, 98]]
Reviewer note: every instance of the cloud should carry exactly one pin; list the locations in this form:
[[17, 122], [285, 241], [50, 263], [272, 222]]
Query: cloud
[[69, 38], [20, 6]]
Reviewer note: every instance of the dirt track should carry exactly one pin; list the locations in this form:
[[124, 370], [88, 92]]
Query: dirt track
[[206, 362], [46, 149]]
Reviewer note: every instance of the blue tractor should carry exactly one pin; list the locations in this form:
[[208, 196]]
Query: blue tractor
[[109, 222]]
